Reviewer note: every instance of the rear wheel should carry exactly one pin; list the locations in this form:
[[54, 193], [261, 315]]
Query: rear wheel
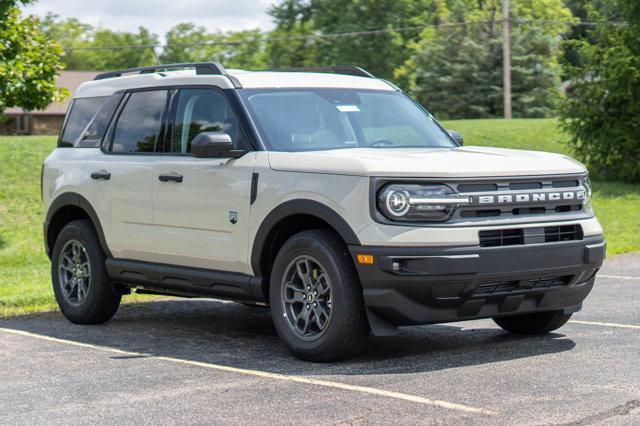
[[316, 298], [82, 288], [536, 323]]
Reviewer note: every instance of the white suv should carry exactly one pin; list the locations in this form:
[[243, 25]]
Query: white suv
[[327, 194]]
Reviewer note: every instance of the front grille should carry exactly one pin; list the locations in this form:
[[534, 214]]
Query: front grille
[[534, 235], [501, 237], [554, 234], [502, 287], [518, 186]]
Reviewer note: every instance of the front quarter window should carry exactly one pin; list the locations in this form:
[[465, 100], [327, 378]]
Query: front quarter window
[[317, 119]]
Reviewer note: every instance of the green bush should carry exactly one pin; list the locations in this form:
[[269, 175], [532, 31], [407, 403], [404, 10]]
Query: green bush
[[602, 107]]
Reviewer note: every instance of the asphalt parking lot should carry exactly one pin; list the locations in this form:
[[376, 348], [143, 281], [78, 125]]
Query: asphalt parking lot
[[200, 361]]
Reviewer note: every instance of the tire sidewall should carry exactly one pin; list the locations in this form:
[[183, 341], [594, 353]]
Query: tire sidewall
[[98, 283], [304, 244]]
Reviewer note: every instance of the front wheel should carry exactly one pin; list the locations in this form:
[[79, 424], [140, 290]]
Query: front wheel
[[316, 298], [536, 323], [82, 288]]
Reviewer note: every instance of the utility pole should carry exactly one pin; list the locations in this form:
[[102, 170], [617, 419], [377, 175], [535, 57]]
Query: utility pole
[[506, 59]]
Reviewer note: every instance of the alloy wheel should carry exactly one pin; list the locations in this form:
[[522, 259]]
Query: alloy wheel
[[306, 297], [74, 272]]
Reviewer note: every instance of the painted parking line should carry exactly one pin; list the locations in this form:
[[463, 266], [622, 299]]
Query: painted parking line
[[619, 277], [607, 324], [267, 375]]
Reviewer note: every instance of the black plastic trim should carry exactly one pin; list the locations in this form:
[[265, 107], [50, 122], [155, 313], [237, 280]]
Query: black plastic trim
[[423, 285], [254, 187], [291, 208], [77, 200], [335, 69], [184, 280], [202, 68]]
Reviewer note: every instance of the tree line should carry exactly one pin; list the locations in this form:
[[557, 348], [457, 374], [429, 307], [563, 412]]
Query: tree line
[[447, 54]]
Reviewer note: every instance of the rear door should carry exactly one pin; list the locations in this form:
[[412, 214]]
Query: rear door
[[122, 174], [201, 206]]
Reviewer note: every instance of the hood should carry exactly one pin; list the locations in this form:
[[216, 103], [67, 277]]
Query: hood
[[426, 162]]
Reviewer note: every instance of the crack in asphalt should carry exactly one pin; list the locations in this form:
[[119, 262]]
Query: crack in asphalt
[[619, 410]]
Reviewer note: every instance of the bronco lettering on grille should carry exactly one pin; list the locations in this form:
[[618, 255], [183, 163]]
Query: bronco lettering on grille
[[521, 198]]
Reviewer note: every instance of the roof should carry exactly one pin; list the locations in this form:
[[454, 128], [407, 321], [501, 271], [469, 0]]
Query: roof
[[68, 79], [248, 80]]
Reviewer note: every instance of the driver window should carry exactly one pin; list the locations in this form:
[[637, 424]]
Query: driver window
[[202, 110]]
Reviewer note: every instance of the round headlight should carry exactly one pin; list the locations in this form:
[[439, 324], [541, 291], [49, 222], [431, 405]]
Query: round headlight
[[409, 202], [398, 202]]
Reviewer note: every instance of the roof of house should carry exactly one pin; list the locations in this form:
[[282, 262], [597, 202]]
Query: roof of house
[[69, 79]]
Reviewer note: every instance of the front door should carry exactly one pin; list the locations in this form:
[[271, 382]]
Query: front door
[[201, 206]]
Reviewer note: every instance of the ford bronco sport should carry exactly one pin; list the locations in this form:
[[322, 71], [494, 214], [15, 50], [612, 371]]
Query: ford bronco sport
[[326, 194]]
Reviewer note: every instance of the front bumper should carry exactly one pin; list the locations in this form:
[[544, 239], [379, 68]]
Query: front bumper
[[414, 285]]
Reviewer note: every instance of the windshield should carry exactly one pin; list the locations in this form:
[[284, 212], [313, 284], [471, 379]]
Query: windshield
[[317, 119]]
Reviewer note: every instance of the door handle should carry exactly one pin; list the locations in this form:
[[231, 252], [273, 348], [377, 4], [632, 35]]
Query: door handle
[[101, 175], [170, 178]]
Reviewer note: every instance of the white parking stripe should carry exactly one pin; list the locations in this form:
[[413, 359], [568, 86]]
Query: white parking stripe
[[267, 375], [620, 277], [607, 324]]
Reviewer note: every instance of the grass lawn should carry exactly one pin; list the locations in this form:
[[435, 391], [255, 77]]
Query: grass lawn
[[25, 284]]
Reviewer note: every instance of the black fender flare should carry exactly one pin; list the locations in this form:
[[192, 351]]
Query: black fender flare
[[294, 207], [76, 200]]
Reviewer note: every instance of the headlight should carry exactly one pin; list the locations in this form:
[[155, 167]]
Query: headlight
[[418, 203]]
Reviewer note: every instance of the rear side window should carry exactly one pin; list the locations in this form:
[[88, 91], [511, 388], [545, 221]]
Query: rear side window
[[80, 114], [97, 127], [140, 123]]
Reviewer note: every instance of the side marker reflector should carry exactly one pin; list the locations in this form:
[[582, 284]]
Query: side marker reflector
[[365, 259]]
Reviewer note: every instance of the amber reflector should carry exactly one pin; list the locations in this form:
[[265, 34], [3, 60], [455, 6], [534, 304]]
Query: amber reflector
[[365, 259]]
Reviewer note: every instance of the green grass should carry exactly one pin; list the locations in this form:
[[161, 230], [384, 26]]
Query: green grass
[[24, 279], [534, 134], [25, 284]]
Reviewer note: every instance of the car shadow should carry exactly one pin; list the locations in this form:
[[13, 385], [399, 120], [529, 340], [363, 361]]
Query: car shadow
[[232, 334]]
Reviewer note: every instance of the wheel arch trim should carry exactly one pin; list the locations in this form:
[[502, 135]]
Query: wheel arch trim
[[76, 200], [297, 207]]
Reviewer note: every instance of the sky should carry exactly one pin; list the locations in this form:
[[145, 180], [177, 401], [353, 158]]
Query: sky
[[160, 15]]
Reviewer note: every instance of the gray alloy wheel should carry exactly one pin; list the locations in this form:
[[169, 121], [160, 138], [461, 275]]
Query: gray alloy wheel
[[74, 272], [306, 297]]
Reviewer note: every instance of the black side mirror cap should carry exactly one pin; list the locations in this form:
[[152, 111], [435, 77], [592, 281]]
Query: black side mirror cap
[[456, 137], [214, 145]]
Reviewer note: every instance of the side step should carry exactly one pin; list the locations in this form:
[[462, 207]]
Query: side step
[[185, 281]]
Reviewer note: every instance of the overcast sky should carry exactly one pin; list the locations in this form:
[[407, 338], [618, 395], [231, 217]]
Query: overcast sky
[[160, 15]]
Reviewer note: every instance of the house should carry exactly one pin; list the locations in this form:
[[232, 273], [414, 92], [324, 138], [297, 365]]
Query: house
[[48, 121]]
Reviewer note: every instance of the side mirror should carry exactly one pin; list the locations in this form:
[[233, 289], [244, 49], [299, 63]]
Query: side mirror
[[456, 137], [214, 145]]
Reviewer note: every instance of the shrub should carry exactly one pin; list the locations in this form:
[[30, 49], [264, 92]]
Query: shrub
[[602, 107]]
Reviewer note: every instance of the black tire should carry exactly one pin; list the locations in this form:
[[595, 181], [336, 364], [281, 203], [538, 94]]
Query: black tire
[[348, 327], [101, 301], [531, 324]]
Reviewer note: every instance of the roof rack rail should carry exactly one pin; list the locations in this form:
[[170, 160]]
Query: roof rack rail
[[339, 69], [202, 68]]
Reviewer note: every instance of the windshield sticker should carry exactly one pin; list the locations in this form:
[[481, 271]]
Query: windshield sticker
[[348, 108]]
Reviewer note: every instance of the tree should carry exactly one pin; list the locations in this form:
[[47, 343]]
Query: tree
[[189, 43], [306, 31], [99, 49], [456, 68], [29, 62], [74, 36], [291, 43], [602, 107]]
